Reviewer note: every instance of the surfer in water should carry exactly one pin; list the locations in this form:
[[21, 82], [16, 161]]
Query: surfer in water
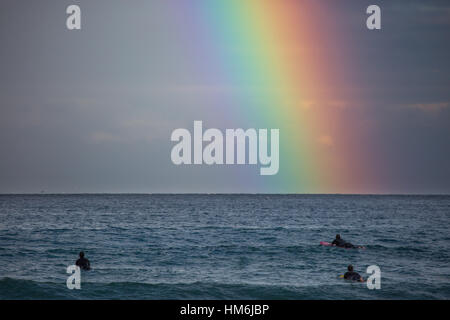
[[352, 275], [83, 263], [339, 242]]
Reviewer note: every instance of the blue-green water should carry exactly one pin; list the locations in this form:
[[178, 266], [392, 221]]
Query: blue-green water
[[223, 246]]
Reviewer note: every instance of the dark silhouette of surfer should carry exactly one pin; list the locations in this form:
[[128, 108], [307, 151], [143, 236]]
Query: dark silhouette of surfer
[[352, 275], [339, 242], [83, 263]]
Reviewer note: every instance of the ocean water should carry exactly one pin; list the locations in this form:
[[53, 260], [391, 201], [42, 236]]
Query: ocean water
[[223, 246]]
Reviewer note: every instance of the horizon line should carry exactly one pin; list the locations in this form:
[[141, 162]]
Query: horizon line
[[223, 193]]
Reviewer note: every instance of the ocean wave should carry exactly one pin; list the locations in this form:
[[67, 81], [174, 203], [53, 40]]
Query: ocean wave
[[28, 289]]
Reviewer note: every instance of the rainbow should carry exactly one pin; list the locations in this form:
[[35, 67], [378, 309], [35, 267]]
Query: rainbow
[[290, 72]]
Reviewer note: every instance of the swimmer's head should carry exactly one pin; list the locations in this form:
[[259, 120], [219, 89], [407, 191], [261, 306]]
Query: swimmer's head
[[350, 268], [81, 254], [338, 236]]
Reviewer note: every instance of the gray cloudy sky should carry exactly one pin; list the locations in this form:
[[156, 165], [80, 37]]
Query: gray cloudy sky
[[93, 110]]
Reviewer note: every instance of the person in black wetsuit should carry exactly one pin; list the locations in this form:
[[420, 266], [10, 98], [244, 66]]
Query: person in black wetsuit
[[352, 275], [339, 242], [83, 263]]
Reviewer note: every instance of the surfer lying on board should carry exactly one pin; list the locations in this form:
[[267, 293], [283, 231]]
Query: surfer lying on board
[[352, 275], [339, 242]]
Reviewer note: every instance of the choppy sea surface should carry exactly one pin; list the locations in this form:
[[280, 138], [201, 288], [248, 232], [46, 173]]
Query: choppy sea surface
[[223, 246]]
